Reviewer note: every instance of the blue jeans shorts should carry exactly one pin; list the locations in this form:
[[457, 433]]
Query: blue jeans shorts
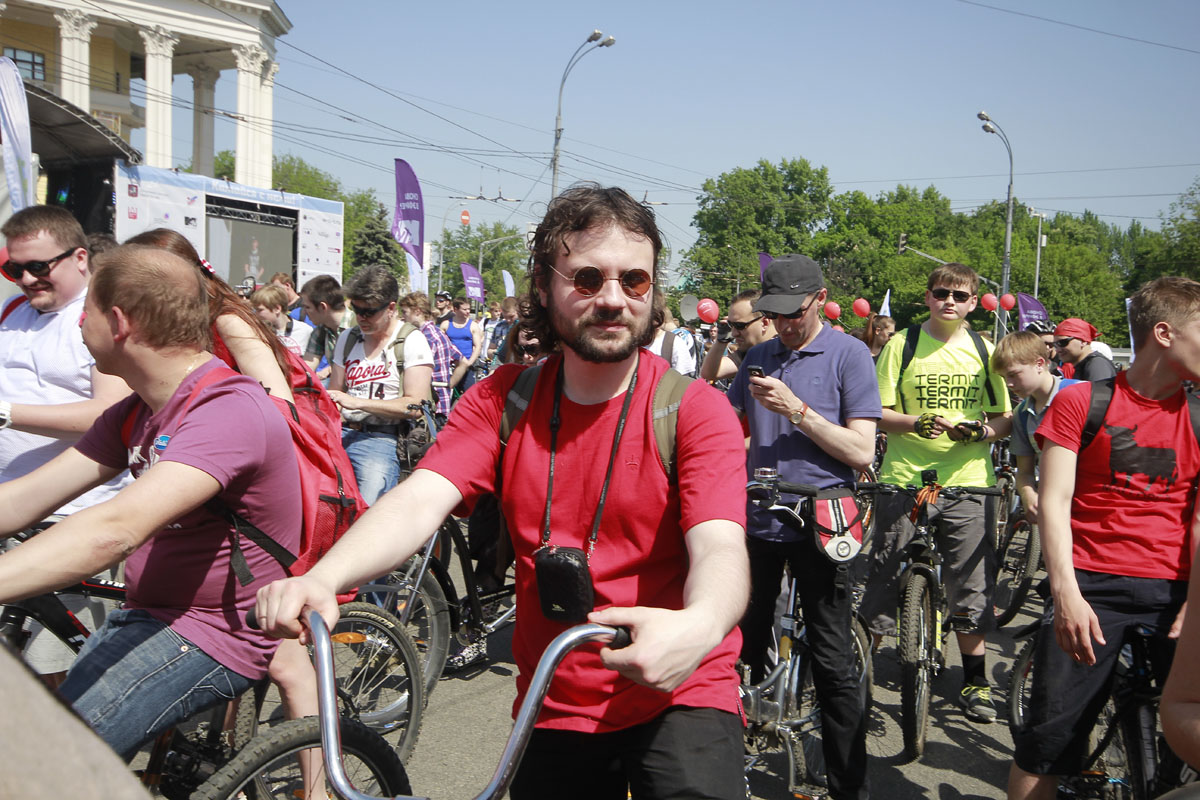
[[135, 678], [376, 465]]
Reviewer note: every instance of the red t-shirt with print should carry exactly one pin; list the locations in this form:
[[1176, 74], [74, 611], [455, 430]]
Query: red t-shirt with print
[[641, 556], [1135, 485]]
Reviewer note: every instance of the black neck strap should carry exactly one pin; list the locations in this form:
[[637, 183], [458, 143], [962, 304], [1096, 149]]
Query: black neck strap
[[555, 423]]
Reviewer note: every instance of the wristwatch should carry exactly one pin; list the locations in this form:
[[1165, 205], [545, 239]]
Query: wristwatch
[[5, 414], [796, 417]]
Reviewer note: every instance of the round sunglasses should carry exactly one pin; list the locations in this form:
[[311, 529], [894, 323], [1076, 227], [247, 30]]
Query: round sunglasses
[[38, 269], [588, 281]]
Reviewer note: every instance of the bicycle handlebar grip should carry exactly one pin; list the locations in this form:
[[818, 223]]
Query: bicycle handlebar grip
[[621, 638], [797, 488], [252, 619]]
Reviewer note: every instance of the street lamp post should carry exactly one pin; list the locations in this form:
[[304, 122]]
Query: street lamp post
[[1037, 267], [442, 244], [990, 126], [580, 52]]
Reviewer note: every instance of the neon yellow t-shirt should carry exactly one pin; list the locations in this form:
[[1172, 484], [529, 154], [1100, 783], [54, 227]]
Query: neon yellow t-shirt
[[947, 380]]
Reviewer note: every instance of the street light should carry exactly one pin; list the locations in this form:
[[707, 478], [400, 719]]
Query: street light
[[990, 126], [1037, 268], [442, 243], [580, 52]]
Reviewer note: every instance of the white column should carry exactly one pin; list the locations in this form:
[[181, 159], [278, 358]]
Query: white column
[[266, 125], [204, 81], [75, 57], [250, 58], [160, 46]]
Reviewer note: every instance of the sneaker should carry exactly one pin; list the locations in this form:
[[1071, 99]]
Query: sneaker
[[471, 654], [976, 702]]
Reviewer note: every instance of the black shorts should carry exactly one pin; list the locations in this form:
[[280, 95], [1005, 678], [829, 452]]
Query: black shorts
[[1067, 696], [692, 753]]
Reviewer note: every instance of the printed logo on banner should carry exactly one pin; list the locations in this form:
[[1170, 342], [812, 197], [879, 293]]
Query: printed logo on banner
[[132, 213], [133, 190], [192, 198], [190, 222]]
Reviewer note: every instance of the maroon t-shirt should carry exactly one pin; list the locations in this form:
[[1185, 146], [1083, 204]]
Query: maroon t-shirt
[[1135, 485], [182, 575], [641, 555]]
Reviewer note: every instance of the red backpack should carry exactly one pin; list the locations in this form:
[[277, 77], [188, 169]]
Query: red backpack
[[329, 496]]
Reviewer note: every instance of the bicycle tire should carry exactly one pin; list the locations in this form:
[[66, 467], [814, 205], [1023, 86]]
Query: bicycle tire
[[1006, 483], [916, 655], [429, 624], [1019, 683], [268, 768], [863, 663], [1018, 558], [379, 669]]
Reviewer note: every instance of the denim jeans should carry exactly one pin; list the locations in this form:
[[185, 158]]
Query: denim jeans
[[376, 465], [135, 678]]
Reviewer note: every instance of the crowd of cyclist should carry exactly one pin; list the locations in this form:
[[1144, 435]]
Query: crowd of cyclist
[[812, 401]]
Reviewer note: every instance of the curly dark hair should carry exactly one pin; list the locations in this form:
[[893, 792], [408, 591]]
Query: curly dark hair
[[582, 207]]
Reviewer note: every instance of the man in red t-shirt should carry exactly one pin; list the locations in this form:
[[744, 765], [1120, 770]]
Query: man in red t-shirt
[[667, 554], [1117, 523]]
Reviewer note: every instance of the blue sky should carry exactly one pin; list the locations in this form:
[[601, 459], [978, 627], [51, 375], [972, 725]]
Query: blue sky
[[879, 92]]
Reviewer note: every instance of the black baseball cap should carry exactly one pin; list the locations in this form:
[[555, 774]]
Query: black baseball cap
[[787, 282]]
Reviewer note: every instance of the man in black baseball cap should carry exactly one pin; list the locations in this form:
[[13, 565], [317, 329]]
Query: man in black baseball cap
[[788, 282]]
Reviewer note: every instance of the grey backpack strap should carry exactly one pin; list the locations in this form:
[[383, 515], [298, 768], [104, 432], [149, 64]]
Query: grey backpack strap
[[352, 338], [668, 396]]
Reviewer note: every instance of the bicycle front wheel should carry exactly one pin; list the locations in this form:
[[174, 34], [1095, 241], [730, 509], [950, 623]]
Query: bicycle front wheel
[[1019, 554], [269, 766], [1019, 683], [429, 619], [917, 637]]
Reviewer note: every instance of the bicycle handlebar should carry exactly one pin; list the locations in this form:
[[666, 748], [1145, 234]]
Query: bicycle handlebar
[[950, 491], [527, 715]]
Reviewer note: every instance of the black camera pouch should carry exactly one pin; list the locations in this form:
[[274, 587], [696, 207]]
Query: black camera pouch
[[564, 584]]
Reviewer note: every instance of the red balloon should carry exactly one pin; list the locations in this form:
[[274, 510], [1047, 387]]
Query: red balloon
[[1007, 301], [707, 310], [861, 307], [833, 310], [988, 301]]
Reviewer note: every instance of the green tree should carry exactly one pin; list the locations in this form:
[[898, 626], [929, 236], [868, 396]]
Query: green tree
[[768, 208], [462, 245], [373, 244]]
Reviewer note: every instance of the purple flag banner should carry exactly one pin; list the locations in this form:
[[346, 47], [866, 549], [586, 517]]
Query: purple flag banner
[[763, 260], [408, 225], [473, 281], [1029, 310]]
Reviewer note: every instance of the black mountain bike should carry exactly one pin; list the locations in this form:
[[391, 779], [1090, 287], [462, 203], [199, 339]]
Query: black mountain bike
[[1128, 758], [782, 710]]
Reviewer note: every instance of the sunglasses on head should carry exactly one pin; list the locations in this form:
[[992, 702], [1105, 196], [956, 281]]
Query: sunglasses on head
[[959, 295], [796, 315], [588, 281], [1064, 341], [741, 326], [364, 313], [38, 269]]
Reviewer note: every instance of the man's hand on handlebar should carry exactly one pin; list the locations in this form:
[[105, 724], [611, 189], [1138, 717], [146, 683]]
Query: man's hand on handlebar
[[667, 645], [282, 604]]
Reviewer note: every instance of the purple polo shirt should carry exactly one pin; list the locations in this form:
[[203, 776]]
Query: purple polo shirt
[[835, 375]]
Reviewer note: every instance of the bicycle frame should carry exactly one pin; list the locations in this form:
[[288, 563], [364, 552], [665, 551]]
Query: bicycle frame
[[522, 727]]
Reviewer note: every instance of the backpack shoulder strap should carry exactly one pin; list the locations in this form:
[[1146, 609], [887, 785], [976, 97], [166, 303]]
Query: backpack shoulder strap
[[911, 335], [11, 307], [1194, 412], [668, 396], [288, 330], [981, 349], [398, 344], [668, 346], [1102, 395], [354, 337], [518, 399]]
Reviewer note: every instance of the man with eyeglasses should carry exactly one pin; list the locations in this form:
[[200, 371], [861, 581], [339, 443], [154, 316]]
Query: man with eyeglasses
[[1073, 343], [941, 411], [744, 327], [812, 417], [663, 549], [50, 389]]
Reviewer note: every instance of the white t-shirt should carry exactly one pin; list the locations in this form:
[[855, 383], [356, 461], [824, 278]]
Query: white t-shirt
[[683, 354], [43, 362], [297, 339], [377, 378]]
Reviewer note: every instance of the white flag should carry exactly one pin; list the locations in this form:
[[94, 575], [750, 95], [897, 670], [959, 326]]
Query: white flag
[[14, 129], [509, 287], [885, 308]]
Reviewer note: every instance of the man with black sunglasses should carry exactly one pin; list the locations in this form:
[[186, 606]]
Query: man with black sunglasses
[[812, 417], [50, 389], [658, 547], [746, 328], [1073, 344], [942, 408]]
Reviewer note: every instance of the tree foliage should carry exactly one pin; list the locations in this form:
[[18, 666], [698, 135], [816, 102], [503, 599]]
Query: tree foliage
[[461, 244], [1087, 268]]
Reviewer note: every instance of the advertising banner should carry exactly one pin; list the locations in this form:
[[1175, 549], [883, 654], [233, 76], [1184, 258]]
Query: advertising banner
[[408, 224], [509, 286], [17, 142], [1029, 310], [473, 282]]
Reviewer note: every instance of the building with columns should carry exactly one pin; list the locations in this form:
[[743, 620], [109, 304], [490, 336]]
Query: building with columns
[[88, 52]]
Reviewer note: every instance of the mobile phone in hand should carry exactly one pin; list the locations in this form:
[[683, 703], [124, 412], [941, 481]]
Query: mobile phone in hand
[[755, 371]]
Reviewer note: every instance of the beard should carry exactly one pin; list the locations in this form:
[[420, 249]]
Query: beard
[[601, 347]]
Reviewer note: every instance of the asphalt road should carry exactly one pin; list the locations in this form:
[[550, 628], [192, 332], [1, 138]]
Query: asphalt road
[[469, 716]]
